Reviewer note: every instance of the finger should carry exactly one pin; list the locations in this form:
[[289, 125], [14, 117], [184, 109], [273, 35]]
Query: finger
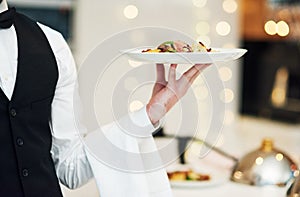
[[194, 77], [160, 73], [200, 69], [191, 72], [190, 75], [172, 73], [203, 66]]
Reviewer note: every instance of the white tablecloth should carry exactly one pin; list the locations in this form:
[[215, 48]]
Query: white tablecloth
[[231, 189]]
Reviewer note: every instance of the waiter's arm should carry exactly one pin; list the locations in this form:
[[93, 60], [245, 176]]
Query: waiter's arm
[[69, 157]]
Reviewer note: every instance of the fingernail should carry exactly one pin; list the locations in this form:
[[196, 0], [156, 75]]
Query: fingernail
[[174, 65]]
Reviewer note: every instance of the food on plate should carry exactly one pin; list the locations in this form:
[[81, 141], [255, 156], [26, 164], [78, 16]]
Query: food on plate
[[187, 175], [175, 46], [200, 47], [178, 46]]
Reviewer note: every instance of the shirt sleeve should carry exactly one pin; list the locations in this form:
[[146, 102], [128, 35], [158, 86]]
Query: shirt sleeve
[[68, 153]]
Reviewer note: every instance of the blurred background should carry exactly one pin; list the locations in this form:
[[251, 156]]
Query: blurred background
[[261, 90]]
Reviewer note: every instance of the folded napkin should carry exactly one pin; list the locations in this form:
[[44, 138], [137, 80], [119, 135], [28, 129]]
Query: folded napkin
[[123, 163]]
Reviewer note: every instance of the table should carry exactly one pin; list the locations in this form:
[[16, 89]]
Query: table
[[232, 189], [245, 137]]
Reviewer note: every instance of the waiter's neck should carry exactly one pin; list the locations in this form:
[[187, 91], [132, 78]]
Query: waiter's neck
[[3, 6]]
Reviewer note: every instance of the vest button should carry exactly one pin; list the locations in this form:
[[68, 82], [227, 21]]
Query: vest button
[[13, 112], [25, 172], [20, 141]]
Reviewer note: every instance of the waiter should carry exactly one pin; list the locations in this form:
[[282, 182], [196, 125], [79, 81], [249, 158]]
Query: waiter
[[38, 143]]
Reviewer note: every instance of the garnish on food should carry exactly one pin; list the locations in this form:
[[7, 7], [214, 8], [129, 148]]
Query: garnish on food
[[178, 46], [187, 175]]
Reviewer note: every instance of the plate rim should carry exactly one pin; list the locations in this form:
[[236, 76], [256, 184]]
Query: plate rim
[[216, 180], [212, 57], [217, 50], [217, 177]]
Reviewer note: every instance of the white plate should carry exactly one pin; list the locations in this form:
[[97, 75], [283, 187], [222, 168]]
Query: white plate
[[216, 177], [218, 55], [215, 180]]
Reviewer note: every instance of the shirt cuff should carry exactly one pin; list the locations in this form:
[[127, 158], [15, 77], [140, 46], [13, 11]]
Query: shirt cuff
[[141, 119]]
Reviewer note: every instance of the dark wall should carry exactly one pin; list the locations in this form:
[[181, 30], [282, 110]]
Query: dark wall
[[261, 64]]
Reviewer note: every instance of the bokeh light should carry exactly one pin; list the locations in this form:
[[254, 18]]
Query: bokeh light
[[227, 95], [135, 105], [225, 73], [271, 27], [223, 28], [282, 28], [259, 161], [230, 6], [131, 11]]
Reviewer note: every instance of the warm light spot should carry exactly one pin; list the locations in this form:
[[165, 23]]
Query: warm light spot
[[202, 28], [279, 92], [227, 95], [279, 156], [201, 92], [135, 105], [278, 97], [131, 11], [296, 173], [134, 63], [223, 28], [270, 27], [259, 161], [238, 174], [230, 6], [225, 73], [199, 3], [283, 28]]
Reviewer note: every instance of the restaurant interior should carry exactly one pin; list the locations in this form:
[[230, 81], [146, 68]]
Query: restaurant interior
[[240, 122]]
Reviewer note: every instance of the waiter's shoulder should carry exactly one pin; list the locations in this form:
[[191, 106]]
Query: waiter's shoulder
[[54, 37]]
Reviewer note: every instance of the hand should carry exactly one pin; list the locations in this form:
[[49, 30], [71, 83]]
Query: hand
[[166, 94]]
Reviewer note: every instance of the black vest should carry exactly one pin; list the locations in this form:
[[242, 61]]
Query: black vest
[[26, 167]]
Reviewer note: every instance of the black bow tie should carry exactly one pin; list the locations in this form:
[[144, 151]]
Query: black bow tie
[[7, 18]]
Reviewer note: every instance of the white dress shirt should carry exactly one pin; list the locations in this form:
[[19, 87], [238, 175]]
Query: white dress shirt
[[74, 164]]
